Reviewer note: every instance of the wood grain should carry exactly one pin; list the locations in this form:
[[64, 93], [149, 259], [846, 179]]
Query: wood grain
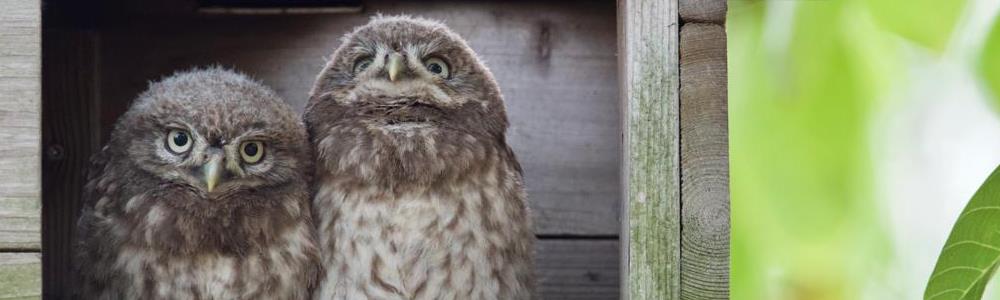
[[20, 275], [19, 224], [20, 119], [703, 11], [651, 230], [555, 65], [577, 269], [69, 137], [704, 162]]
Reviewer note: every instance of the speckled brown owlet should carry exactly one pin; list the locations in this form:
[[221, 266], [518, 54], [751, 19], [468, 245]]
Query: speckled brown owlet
[[418, 195], [202, 192]]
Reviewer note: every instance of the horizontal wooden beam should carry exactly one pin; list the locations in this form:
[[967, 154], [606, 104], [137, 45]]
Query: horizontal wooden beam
[[20, 224], [20, 276], [577, 269]]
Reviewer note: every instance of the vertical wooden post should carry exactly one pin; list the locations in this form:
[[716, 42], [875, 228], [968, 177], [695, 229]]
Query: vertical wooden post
[[70, 134], [675, 239], [20, 133], [704, 163], [648, 60], [704, 151]]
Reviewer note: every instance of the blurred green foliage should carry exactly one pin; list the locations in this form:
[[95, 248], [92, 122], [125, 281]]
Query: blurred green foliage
[[925, 22], [805, 78], [990, 63]]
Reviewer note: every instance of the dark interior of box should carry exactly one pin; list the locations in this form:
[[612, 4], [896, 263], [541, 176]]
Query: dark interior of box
[[554, 60]]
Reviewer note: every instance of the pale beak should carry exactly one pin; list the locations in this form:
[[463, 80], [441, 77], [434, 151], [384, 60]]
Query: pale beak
[[212, 170], [394, 65]]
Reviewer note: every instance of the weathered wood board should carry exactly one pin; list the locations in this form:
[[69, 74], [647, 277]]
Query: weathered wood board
[[555, 64], [20, 121], [578, 269], [650, 172], [20, 222], [69, 133], [705, 162], [703, 11], [20, 169], [20, 275]]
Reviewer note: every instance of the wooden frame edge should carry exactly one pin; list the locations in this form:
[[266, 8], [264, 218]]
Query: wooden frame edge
[[649, 81]]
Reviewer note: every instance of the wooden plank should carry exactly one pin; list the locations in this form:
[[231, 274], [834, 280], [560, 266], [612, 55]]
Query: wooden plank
[[648, 68], [703, 11], [555, 64], [704, 162], [19, 223], [577, 269], [20, 119], [20, 276], [69, 135]]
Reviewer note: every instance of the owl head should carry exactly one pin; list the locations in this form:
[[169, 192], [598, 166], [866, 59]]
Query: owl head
[[401, 94], [212, 133]]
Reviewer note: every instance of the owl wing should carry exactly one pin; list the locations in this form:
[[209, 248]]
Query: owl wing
[[94, 251], [513, 160], [95, 171]]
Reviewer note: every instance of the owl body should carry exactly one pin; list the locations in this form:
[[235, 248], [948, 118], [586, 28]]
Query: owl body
[[460, 237], [418, 195], [201, 193]]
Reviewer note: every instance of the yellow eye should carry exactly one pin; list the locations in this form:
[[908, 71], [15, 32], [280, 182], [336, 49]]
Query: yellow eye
[[178, 141], [362, 64], [437, 67], [252, 151]]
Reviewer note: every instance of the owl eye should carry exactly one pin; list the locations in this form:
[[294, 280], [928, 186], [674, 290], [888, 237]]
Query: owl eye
[[252, 152], [178, 141], [362, 64], [437, 67]]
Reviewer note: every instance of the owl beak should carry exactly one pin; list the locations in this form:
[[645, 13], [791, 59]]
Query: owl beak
[[212, 170], [394, 66]]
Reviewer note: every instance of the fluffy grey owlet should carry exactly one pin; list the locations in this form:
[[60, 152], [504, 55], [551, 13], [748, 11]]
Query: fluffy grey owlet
[[418, 195], [201, 193]]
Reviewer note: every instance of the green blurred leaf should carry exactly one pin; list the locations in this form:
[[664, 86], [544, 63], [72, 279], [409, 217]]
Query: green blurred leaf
[[925, 22], [970, 256], [989, 64], [805, 80]]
